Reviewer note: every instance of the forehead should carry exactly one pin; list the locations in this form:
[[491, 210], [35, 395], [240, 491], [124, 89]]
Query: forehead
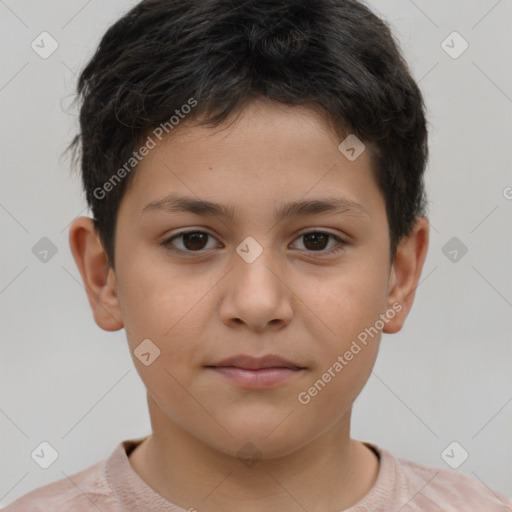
[[269, 154]]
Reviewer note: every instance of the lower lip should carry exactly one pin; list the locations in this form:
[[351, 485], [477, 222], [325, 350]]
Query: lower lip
[[261, 378]]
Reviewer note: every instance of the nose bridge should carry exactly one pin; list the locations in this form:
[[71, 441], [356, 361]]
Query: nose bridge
[[256, 294], [257, 263]]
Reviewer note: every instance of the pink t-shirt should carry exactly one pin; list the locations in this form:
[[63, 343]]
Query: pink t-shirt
[[112, 485]]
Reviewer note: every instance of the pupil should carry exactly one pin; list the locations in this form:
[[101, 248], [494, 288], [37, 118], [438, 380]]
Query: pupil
[[194, 238], [316, 242]]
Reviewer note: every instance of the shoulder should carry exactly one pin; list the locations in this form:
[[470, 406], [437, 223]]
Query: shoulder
[[82, 491], [425, 487]]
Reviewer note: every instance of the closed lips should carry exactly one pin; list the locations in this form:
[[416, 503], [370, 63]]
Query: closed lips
[[254, 363]]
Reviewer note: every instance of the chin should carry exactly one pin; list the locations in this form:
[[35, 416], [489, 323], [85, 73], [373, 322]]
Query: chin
[[266, 440]]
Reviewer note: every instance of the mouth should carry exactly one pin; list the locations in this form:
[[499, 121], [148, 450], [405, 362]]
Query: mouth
[[255, 373]]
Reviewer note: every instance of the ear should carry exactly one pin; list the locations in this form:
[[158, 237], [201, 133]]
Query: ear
[[99, 279], [405, 274]]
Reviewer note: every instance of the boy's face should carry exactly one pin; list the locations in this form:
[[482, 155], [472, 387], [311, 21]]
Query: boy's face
[[203, 299]]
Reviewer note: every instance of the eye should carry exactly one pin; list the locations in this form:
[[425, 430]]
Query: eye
[[191, 241], [316, 241], [196, 241]]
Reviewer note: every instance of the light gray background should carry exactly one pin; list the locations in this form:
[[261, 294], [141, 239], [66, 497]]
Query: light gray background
[[446, 376]]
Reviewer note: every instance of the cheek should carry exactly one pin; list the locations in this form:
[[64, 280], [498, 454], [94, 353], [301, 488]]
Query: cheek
[[347, 350], [153, 300], [170, 309], [158, 310], [348, 303], [350, 307], [333, 390]]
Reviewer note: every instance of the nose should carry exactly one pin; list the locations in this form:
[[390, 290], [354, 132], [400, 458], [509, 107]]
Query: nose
[[256, 294]]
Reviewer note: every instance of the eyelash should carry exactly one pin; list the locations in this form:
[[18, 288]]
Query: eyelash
[[340, 247]]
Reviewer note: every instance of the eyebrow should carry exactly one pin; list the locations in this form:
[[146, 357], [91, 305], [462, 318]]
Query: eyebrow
[[182, 204]]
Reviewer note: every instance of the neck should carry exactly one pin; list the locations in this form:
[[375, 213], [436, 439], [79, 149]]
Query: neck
[[333, 472]]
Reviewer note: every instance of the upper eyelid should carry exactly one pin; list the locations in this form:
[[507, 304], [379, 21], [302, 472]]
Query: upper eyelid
[[203, 230]]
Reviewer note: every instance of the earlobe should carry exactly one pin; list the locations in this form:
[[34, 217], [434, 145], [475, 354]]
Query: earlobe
[[405, 274], [98, 278]]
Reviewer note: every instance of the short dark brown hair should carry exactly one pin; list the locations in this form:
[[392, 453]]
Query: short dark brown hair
[[333, 55]]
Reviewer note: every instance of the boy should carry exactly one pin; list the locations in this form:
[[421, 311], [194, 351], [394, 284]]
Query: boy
[[262, 128]]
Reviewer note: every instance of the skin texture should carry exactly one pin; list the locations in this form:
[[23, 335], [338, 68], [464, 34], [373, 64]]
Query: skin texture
[[293, 301]]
